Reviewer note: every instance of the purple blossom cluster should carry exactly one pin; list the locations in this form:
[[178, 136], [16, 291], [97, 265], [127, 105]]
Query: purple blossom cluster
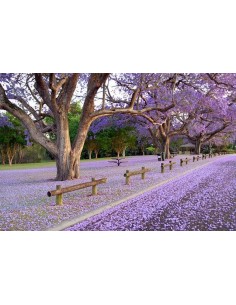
[[24, 204], [4, 121]]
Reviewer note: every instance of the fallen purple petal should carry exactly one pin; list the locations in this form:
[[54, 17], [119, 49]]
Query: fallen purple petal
[[203, 199]]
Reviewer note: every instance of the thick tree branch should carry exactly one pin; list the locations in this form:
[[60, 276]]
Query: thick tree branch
[[42, 88], [35, 133]]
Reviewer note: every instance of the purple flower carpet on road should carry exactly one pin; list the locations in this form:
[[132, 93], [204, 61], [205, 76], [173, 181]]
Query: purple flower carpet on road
[[202, 200], [24, 204]]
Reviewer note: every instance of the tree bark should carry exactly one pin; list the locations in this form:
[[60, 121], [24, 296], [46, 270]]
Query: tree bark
[[198, 145], [3, 156], [123, 153], [63, 146], [166, 147]]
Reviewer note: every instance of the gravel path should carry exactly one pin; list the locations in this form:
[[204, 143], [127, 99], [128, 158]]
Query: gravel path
[[202, 200], [24, 204]]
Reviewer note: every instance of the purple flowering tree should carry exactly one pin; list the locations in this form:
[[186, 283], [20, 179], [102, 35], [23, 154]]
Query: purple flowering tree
[[156, 98]]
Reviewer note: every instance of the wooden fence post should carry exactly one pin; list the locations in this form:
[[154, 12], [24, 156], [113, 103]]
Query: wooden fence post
[[143, 174], [193, 158], [170, 165], [94, 188], [59, 200], [127, 177], [181, 162], [162, 167]]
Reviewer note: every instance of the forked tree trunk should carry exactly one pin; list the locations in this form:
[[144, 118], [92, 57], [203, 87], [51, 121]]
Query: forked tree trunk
[[68, 170], [11, 152]]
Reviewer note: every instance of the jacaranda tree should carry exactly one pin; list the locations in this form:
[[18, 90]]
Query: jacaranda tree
[[32, 98]]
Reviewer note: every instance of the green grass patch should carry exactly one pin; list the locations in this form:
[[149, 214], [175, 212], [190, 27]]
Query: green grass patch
[[28, 165], [40, 164]]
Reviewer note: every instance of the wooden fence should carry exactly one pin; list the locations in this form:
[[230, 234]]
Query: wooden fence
[[170, 164], [184, 160], [60, 191], [141, 172]]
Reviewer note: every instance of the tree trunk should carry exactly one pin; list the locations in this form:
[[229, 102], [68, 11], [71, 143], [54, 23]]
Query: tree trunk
[[198, 145], [90, 154], [123, 153], [63, 158], [11, 151], [21, 154], [3, 156], [167, 148]]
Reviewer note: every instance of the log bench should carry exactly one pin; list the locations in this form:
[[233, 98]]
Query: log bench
[[170, 164], [184, 160], [141, 172], [60, 191]]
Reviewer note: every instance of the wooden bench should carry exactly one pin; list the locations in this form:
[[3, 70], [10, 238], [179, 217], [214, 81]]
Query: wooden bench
[[60, 191], [141, 172], [170, 164], [118, 161], [184, 160]]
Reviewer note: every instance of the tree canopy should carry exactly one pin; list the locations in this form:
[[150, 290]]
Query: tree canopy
[[199, 105]]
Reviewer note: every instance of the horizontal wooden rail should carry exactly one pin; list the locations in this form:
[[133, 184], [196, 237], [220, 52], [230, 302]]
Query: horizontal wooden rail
[[198, 158], [59, 190], [184, 160], [141, 172], [170, 164]]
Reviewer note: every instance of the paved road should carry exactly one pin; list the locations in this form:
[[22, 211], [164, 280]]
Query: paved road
[[202, 200]]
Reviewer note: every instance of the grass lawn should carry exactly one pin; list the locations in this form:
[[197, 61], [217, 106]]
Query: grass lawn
[[28, 165], [39, 165]]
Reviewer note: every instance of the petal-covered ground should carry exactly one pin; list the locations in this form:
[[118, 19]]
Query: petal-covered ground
[[202, 200], [24, 204]]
